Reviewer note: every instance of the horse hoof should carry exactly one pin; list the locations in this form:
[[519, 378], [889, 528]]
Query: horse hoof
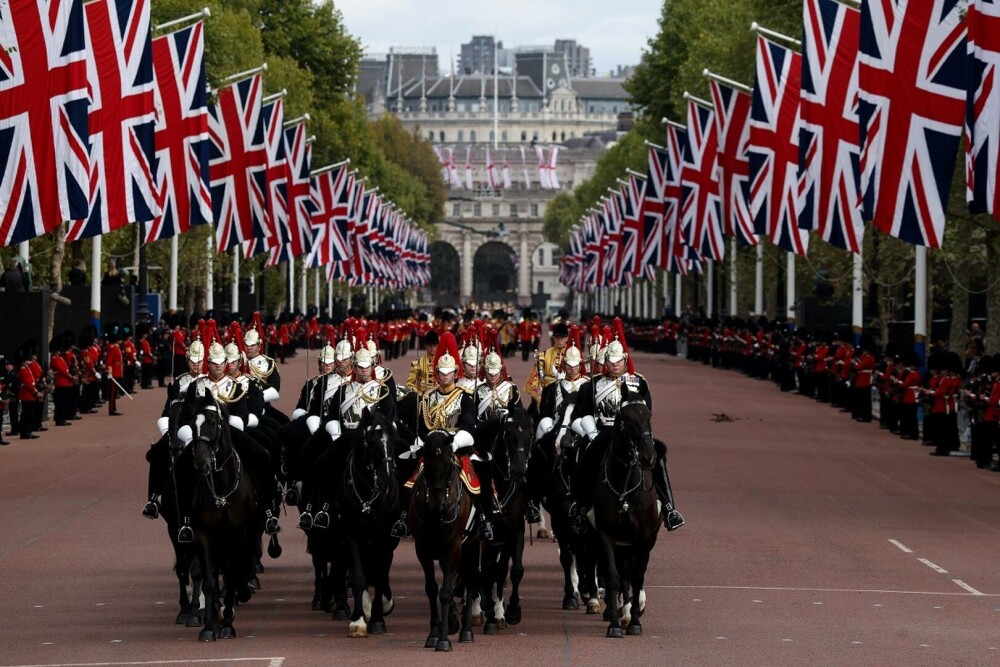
[[255, 583], [513, 614], [570, 603], [181, 618], [432, 642], [274, 548], [357, 631], [193, 621], [228, 632], [341, 615], [542, 534], [376, 628], [206, 636], [633, 629], [477, 619], [593, 607], [491, 628], [317, 605], [615, 631], [466, 637], [443, 645]]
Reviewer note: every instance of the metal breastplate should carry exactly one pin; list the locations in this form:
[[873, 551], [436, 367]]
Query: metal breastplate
[[357, 397], [608, 396], [468, 384], [261, 367], [490, 400], [569, 387], [227, 389], [183, 382], [440, 412]]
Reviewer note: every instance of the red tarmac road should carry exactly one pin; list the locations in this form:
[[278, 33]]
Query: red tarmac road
[[810, 539]]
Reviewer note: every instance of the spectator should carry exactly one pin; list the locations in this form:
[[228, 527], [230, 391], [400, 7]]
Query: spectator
[[111, 277], [14, 279], [78, 274]]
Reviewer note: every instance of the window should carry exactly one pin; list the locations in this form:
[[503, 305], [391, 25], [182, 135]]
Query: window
[[513, 210], [534, 135], [472, 136], [553, 135], [562, 136], [534, 210], [503, 136], [441, 136], [430, 135], [492, 136], [461, 136], [524, 135], [496, 210], [456, 210], [477, 210]]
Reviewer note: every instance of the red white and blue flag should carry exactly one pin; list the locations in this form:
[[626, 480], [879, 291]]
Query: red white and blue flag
[[651, 211], [630, 251], [295, 231], [675, 247], [700, 210], [732, 123], [774, 149], [913, 73], [329, 202], [44, 161], [181, 139], [276, 211], [238, 166], [982, 148], [829, 137]]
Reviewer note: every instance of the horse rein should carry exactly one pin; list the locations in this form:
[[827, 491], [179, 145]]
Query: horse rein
[[377, 489], [632, 464], [215, 467]]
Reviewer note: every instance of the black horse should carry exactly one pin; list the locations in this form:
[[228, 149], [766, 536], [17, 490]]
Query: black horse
[[550, 473], [510, 438], [626, 512], [440, 509], [368, 505], [225, 513]]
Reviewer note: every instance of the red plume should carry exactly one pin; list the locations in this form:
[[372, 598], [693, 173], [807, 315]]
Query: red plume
[[360, 336], [199, 331], [236, 336], [595, 339], [449, 345], [574, 337], [255, 323], [620, 335]]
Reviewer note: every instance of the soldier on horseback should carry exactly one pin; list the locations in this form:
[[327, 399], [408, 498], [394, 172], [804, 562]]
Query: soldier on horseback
[[596, 410], [451, 408], [263, 368]]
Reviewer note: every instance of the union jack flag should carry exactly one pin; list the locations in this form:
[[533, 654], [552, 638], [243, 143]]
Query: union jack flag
[[44, 161], [732, 123], [238, 164], [551, 164], [630, 251], [295, 232], [829, 134], [122, 118], [651, 211], [362, 264], [181, 139], [982, 149], [699, 184], [276, 211], [912, 78], [674, 243], [774, 150], [329, 197], [543, 168]]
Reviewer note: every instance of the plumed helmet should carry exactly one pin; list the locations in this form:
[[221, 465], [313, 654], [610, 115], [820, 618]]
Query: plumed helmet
[[572, 356], [372, 347], [470, 355], [344, 350], [196, 352], [216, 353], [493, 363], [327, 355], [445, 358], [251, 337], [446, 363], [232, 353], [615, 352], [363, 358]]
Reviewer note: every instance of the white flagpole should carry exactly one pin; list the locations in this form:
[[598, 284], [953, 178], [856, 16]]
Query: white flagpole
[[496, 112], [329, 298], [235, 293], [732, 278], [710, 287], [857, 298], [204, 13], [920, 302], [174, 251], [316, 296], [678, 294], [95, 279], [303, 293], [790, 286], [291, 284], [758, 301], [209, 265]]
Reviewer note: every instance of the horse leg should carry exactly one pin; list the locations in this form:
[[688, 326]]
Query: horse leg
[[358, 627], [182, 569], [210, 585], [319, 601], [233, 581], [516, 574], [566, 561], [380, 583], [641, 561], [431, 590], [469, 565], [487, 600], [446, 597], [612, 587], [338, 582], [194, 611]]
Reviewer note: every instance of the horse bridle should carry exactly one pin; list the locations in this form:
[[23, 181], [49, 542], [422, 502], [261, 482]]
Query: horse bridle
[[632, 464], [214, 466], [377, 488], [446, 489]]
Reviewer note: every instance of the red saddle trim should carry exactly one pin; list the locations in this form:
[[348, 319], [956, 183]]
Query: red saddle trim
[[465, 471]]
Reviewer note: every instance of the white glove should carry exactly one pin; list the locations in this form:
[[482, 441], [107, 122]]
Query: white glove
[[270, 394], [163, 423], [577, 427], [414, 448], [97, 376], [185, 434], [461, 440], [313, 422], [544, 426], [252, 420], [298, 412], [333, 428], [589, 426], [236, 422]]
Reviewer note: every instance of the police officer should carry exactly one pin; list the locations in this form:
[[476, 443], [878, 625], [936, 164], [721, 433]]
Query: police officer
[[596, 410]]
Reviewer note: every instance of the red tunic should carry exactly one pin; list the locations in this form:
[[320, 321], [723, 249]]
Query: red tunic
[[993, 407], [113, 360], [145, 351], [911, 380], [60, 371], [864, 365], [27, 390]]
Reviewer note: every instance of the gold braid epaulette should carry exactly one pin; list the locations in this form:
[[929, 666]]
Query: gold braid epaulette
[[434, 416], [259, 374]]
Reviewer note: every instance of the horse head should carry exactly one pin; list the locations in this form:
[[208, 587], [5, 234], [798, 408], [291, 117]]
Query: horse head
[[201, 424], [439, 469], [634, 428], [377, 447], [516, 441]]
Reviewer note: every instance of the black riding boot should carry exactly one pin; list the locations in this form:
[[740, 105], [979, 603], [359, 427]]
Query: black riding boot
[[672, 519], [485, 498]]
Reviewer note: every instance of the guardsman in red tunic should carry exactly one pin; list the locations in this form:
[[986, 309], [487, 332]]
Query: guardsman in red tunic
[[129, 359], [524, 336], [115, 365], [30, 398], [64, 381], [146, 362], [863, 369], [908, 383]]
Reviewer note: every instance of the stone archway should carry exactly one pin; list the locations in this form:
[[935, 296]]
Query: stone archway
[[445, 274], [494, 273]]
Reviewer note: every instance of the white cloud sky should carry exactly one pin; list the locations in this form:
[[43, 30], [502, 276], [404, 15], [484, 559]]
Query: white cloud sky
[[616, 33]]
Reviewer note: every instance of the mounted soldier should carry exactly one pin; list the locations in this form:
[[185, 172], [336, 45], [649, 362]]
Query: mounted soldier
[[452, 409], [596, 412], [263, 368]]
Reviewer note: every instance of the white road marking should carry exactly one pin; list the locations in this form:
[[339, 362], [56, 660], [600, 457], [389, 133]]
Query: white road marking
[[272, 662], [966, 587], [936, 568], [902, 547], [819, 590]]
